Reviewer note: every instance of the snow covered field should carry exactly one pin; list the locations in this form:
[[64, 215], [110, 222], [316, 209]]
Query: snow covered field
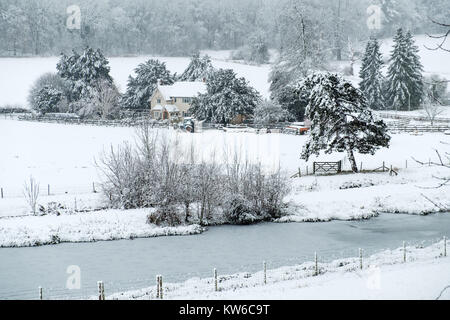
[[62, 156], [384, 276]]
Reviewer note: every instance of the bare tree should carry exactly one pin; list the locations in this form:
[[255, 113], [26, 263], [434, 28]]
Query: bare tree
[[443, 37], [31, 193], [431, 109], [106, 99], [443, 161]]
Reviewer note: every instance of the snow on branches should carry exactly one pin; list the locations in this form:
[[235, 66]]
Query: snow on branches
[[340, 119], [227, 98]]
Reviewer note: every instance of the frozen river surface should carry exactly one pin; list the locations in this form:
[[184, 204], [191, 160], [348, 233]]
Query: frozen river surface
[[133, 264]]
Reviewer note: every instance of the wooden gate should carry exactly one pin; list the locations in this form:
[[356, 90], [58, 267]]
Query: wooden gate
[[327, 167]]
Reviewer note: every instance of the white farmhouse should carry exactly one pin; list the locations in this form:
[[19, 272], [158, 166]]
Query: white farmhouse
[[174, 101]]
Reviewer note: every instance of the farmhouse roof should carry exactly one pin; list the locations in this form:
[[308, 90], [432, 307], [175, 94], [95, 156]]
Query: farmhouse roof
[[183, 89]]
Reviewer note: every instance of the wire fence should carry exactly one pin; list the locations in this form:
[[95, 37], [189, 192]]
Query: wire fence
[[414, 118]]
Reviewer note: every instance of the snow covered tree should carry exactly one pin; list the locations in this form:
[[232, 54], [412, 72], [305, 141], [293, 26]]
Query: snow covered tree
[[405, 81], [256, 50], [227, 97], [340, 119], [49, 80], [259, 49], [103, 102], [84, 71], [47, 100], [268, 112], [199, 69], [436, 89], [372, 79], [141, 87]]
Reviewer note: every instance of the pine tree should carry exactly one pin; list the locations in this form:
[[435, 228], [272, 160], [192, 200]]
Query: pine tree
[[84, 71], [405, 82], [372, 77], [141, 87], [416, 69], [340, 119], [227, 97], [199, 69]]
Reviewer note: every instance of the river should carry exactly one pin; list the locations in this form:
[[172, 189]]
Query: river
[[133, 264]]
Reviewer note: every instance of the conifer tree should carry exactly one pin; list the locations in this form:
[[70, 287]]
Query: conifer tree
[[372, 79], [141, 87], [84, 71], [340, 119], [199, 69], [227, 97], [405, 81]]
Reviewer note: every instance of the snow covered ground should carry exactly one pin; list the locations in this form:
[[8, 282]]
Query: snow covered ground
[[28, 231], [384, 276], [364, 195], [62, 156]]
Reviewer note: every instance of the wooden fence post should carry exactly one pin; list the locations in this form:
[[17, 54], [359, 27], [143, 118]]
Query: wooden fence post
[[360, 169], [265, 272], [157, 287], [161, 287], [40, 293], [360, 258], [216, 285], [445, 246], [48, 189], [93, 187], [404, 251], [316, 267], [2, 192], [384, 166], [101, 292], [406, 164]]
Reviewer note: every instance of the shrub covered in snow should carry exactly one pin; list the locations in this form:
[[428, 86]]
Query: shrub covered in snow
[[238, 210], [159, 173], [165, 216]]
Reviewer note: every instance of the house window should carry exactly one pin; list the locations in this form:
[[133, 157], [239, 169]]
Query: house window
[[187, 100], [159, 101], [174, 99]]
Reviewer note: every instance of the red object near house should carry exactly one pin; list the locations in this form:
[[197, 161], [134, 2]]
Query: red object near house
[[299, 128]]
